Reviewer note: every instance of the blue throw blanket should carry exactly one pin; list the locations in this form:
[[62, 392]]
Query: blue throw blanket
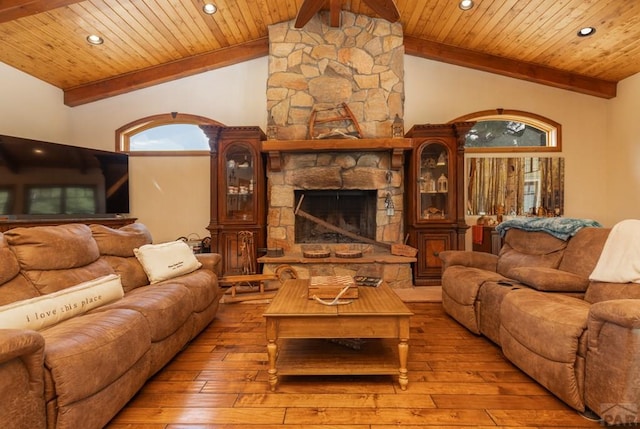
[[560, 227]]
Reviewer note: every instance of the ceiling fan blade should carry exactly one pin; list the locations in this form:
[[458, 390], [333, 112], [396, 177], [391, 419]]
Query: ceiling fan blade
[[387, 9], [308, 9]]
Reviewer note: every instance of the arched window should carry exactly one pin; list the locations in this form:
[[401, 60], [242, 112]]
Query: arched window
[[513, 184], [165, 134], [504, 130]]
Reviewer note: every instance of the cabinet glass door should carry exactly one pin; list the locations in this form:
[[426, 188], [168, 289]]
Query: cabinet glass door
[[433, 182], [240, 180]]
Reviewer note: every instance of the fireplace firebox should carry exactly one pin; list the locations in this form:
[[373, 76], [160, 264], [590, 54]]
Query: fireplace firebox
[[351, 210]]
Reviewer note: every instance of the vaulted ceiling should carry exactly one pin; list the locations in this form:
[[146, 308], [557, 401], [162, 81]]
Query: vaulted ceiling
[[147, 42]]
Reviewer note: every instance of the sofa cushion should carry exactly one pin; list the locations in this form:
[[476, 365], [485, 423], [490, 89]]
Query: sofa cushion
[[549, 279], [53, 247], [9, 267], [165, 307], [203, 287], [85, 354], [166, 260], [490, 299], [603, 291], [583, 251], [40, 312], [529, 249], [13, 287], [121, 241], [129, 269], [51, 281], [57, 257], [619, 261], [543, 335], [460, 286]]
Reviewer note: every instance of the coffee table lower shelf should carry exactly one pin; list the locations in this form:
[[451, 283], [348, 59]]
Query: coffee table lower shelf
[[375, 356]]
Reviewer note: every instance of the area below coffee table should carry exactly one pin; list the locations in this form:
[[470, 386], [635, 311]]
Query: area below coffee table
[[375, 356]]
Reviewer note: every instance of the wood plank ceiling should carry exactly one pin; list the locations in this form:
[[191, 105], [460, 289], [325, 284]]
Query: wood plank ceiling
[[153, 41]]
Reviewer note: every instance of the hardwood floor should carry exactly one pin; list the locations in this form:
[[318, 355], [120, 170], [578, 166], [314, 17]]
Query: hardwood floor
[[456, 379]]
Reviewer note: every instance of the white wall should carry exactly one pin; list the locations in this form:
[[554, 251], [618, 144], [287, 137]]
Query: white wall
[[438, 92], [31, 108], [171, 194], [623, 153]]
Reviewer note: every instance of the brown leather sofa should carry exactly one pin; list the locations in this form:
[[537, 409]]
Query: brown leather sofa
[[80, 372], [580, 339]]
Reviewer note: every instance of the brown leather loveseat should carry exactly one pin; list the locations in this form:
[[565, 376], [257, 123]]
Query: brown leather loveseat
[[579, 338], [79, 372]]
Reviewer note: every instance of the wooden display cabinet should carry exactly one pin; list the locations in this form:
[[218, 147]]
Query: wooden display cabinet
[[435, 196], [238, 200]]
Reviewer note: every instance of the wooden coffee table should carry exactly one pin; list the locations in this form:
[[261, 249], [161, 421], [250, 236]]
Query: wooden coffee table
[[377, 313]]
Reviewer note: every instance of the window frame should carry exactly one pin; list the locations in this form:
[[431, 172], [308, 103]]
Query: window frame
[[551, 127], [124, 133]]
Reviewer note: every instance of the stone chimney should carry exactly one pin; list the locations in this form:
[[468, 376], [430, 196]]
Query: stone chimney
[[320, 67]]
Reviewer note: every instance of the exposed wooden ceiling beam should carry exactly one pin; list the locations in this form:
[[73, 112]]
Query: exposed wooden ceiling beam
[[335, 12], [14, 9], [307, 10], [387, 9], [166, 72], [260, 47], [507, 67]]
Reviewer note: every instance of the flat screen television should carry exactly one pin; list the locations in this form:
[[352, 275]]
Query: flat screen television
[[49, 180]]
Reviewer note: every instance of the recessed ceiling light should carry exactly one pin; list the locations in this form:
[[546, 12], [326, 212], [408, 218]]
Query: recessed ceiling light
[[586, 31], [465, 4], [95, 39], [209, 8]]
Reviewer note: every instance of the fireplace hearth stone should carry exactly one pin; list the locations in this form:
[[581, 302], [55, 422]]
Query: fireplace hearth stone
[[395, 270]]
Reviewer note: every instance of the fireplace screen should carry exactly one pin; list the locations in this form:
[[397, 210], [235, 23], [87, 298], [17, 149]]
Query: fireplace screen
[[351, 210]]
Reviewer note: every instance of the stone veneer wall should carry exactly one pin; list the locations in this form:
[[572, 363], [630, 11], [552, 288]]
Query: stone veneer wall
[[361, 63]]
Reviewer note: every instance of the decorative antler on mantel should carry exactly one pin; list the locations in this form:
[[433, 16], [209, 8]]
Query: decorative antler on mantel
[[387, 9]]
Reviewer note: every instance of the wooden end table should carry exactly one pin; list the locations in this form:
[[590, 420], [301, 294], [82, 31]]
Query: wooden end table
[[377, 313]]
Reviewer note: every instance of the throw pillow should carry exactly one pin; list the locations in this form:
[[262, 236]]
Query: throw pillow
[[46, 310], [166, 260]]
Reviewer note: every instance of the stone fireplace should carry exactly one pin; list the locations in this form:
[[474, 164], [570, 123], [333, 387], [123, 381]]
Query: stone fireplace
[[368, 175], [348, 172], [317, 69]]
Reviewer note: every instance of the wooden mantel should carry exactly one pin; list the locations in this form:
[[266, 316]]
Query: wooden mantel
[[396, 146]]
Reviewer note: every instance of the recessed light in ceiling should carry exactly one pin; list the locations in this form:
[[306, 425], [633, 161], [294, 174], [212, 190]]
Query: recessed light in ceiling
[[94, 39], [465, 4], [209, 8], [586, 31]]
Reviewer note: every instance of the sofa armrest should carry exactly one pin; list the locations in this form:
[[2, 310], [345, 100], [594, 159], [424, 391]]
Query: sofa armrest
[[22, 374], [211, 261], [469, 258], [23, 344], [612, 373]]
